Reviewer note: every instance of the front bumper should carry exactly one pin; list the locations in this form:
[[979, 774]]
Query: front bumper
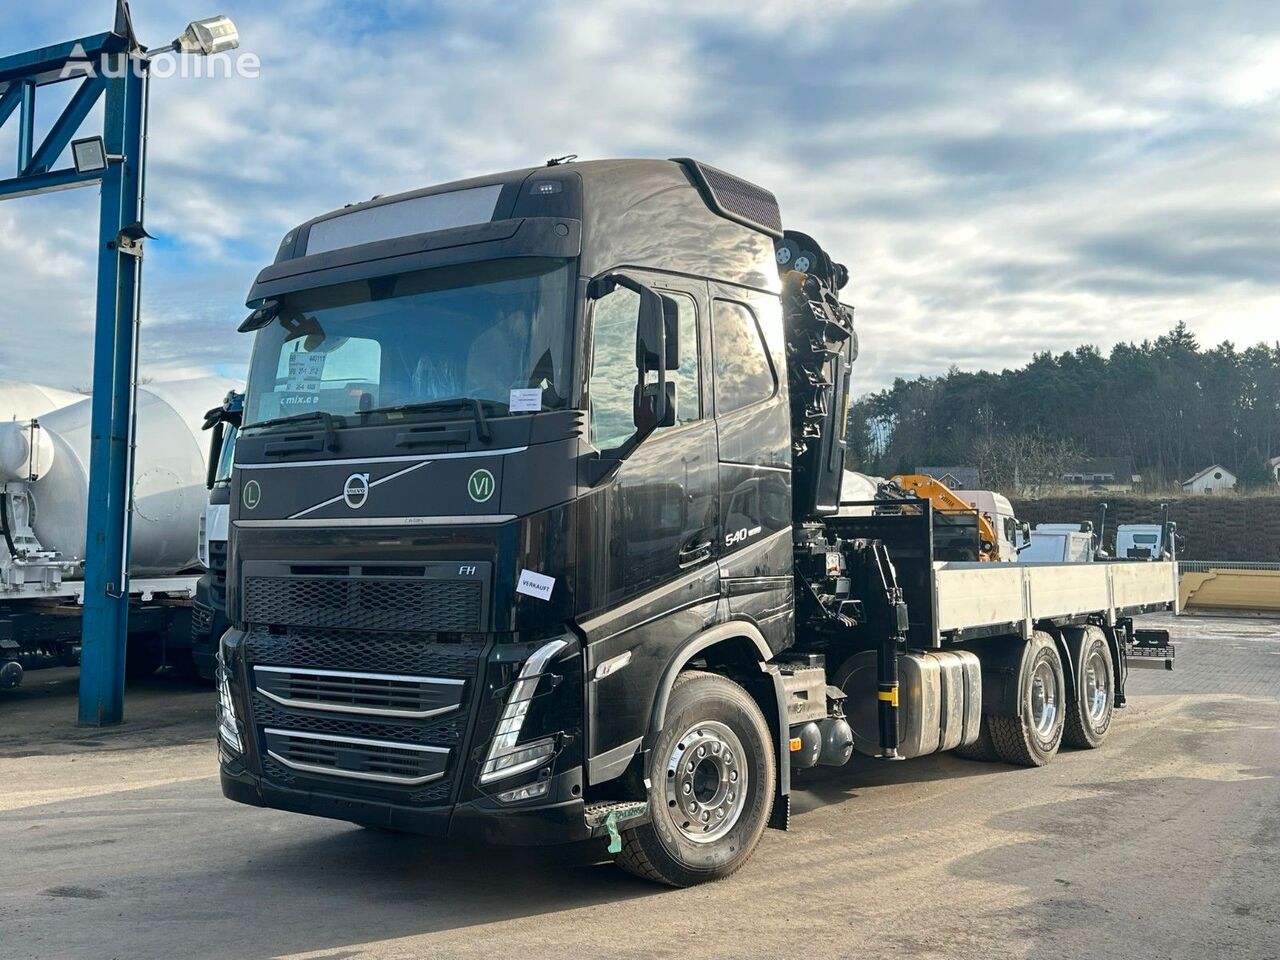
[[481, 672], [487, 821]]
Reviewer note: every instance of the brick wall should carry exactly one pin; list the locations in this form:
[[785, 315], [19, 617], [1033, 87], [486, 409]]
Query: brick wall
[[1209, 527]]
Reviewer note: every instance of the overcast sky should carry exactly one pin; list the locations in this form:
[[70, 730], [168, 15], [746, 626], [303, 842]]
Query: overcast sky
[[1001, 177]]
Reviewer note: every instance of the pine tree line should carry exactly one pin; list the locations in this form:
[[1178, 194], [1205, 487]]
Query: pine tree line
[[1168, 406]]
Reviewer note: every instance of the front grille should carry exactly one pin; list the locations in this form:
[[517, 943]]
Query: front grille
[[374, 694], [357, 758], [365, 603], [201, 622], [218, 567], [419, 655], [405, 699]]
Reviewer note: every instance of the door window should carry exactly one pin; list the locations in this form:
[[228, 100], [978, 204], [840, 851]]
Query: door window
[[613, 366], [743, 373]]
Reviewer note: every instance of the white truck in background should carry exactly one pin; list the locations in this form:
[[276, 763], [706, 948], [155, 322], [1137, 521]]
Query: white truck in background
[[44, 477]]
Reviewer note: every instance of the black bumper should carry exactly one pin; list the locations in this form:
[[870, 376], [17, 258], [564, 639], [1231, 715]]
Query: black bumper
[[482, 820]]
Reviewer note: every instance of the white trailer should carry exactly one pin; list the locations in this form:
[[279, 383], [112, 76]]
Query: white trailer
[[44, 477]]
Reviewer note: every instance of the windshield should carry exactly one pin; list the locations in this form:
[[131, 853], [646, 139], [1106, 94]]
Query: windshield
[[228, 455], [497, 331]]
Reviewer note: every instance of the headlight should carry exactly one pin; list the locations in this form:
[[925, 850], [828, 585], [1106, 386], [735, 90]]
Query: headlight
[[228, 725], [505, 759]]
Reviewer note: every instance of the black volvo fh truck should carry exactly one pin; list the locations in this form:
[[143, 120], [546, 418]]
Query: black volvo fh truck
[[536, 533]]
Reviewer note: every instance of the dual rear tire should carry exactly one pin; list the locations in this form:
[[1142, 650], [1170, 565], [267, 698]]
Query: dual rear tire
[[1053, 712]]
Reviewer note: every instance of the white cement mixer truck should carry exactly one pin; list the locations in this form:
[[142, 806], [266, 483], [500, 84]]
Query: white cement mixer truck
[[44, 481]]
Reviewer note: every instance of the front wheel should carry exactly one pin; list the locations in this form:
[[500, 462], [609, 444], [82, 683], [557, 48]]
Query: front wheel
[[712, 778]]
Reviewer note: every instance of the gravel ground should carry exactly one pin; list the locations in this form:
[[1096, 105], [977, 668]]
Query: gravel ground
[[1165, 843]]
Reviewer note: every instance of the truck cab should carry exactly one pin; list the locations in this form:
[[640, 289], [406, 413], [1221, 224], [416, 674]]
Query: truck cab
[[209, 606], [515, 451]]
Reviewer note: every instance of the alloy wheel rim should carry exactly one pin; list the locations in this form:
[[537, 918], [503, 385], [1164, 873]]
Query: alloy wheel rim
[[705, 782], [1044, 699], [1096, 687]]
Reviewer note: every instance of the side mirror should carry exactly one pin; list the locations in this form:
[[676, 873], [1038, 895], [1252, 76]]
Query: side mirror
[[647, 403], [215, 452], [657, 351]]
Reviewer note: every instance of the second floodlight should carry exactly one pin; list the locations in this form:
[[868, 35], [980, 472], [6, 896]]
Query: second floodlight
[[209, 36], [89, 155]]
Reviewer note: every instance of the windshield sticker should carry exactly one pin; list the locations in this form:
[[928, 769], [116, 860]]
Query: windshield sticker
[[306, 370], [535, 584], [526, 400]]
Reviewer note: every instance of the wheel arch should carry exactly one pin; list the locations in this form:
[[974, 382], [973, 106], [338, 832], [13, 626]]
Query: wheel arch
[[736, 650], [1003, 675], [733, 649]]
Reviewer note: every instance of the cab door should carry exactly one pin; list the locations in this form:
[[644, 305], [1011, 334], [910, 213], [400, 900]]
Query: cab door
[[753, 424], [653, 581]]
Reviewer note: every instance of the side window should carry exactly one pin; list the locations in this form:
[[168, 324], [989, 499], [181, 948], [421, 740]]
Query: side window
[[613, 367], [743, 373], [688, 385]]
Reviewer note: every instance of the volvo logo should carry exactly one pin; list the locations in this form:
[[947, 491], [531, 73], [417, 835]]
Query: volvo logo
[[356, 490], [251, 495], [481, 485]]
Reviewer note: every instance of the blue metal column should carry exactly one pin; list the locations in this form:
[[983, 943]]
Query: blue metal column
[[106, 595]]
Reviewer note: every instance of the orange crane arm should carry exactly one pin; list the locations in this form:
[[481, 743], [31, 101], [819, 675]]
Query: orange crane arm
[[939, 494]]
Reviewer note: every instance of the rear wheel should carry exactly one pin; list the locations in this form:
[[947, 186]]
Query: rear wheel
[[1089, 713], [712, 778], [1031, 740], [981, 749]]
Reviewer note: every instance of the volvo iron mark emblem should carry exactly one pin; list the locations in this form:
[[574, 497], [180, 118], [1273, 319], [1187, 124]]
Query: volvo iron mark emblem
[[356, 490]]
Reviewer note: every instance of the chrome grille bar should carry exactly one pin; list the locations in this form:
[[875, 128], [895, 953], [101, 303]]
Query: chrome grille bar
[[383, 761], [368, 694]]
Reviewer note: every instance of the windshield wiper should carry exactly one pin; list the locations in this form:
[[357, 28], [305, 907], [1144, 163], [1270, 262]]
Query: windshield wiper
[[460, 403], [330, 434]]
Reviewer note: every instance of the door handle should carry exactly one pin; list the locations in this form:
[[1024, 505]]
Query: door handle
[[692, 553]]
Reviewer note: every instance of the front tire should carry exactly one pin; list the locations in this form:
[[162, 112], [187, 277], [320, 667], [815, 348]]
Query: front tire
[[1089, 713], [1032, 739], [712, 775]]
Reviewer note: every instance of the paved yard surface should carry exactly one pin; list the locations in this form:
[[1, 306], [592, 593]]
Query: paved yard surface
[[1165, 843]]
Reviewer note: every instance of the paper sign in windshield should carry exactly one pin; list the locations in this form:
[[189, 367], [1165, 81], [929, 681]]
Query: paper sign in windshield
[[306, 370], [525, 400], [535, 584]]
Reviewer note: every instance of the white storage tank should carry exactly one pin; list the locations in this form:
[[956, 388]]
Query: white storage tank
[[20, 400], [169, 473]]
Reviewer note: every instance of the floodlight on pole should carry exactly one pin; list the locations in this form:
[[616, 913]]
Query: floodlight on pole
[[205, 37], [89, 155]]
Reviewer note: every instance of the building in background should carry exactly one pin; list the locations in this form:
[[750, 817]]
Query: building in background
[[1214, 479], [1101, 474], [955, 477]]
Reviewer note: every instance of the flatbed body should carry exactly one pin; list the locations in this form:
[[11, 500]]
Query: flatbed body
[[972, 599]]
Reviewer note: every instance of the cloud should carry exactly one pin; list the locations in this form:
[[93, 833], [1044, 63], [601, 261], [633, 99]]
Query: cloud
[[1001, 177]]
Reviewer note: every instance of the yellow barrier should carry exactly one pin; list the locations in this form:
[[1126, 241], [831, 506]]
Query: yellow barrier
[[1256, 591]]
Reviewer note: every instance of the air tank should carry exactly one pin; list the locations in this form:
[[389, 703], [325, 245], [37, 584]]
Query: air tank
[[20, 400], [169, 473]]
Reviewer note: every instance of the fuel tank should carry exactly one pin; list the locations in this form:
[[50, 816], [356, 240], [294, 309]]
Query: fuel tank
[[169, 472]]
